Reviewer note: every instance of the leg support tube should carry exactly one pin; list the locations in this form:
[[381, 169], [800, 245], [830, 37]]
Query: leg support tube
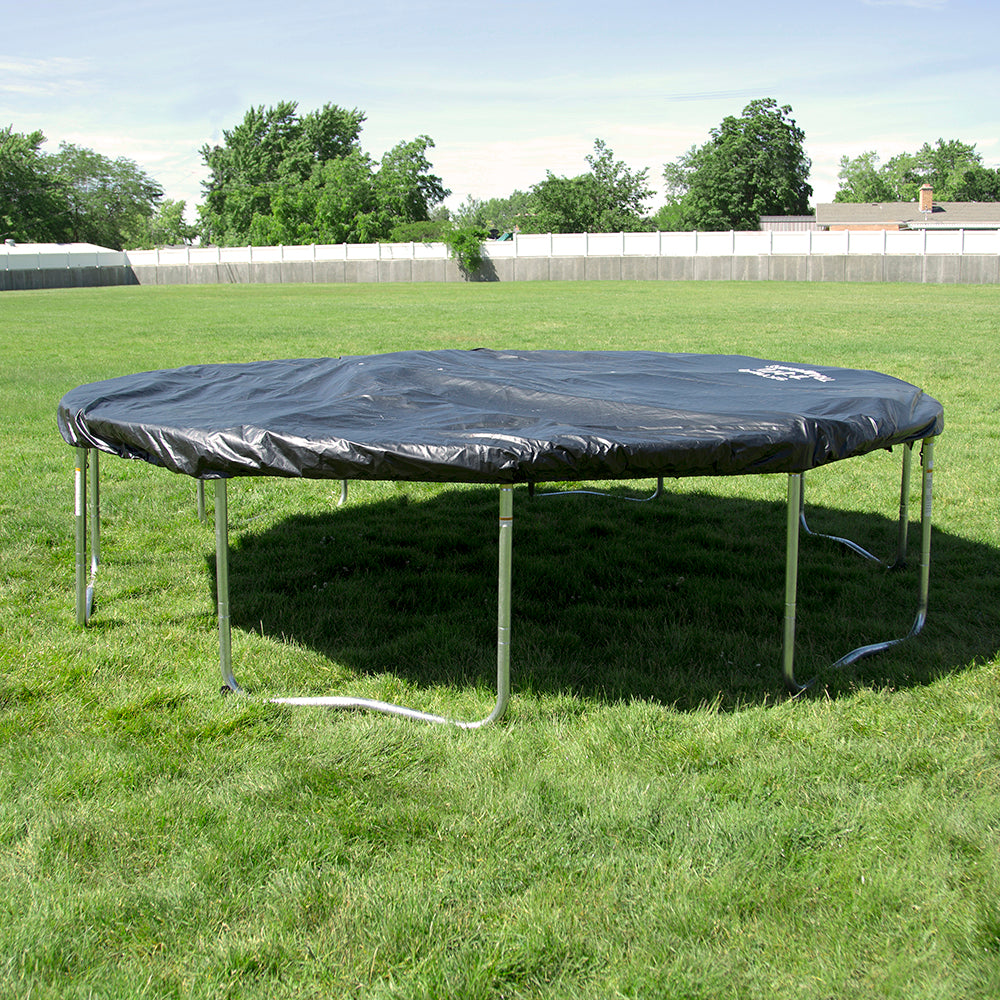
[[904, 507], [904, 517], [927, 466], [222, 586], [655, 495], [791, 579], [506, 527], [80, 522], [95, 528]]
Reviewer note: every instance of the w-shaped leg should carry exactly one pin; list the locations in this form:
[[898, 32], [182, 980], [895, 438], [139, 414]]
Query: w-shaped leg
[[333, 701], [794, 520]]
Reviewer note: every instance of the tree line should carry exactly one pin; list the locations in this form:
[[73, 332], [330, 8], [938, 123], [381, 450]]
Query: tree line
[[284, 177], [77, 195]]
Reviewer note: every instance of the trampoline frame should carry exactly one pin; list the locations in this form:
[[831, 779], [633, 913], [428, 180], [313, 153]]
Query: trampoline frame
[[87, 509]]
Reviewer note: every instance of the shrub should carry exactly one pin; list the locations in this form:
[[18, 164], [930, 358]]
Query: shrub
[[466, 247]]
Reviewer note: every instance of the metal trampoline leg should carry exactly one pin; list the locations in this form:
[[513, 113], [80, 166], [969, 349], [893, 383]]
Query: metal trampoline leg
[[927, 489], [846, 542], [95, 528], [222, 587], [202, 516], [80, 521], [791, 580], [926, 502], [904, 508], [504, 562], [505, 559]]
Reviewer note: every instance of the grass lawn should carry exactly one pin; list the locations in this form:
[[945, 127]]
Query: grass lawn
[[652, 818]]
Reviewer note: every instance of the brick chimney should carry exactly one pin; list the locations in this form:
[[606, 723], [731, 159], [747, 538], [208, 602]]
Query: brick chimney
[[927, 198]]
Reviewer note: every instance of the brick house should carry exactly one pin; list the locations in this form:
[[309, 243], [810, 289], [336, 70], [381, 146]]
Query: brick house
[[922, 214]]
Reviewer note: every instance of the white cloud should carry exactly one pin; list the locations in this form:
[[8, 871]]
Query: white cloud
[[40, 77]]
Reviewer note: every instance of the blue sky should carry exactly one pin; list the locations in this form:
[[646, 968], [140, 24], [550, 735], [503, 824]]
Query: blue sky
[[506, 90]]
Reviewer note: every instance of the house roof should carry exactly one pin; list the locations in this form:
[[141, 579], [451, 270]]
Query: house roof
[[907, 214]]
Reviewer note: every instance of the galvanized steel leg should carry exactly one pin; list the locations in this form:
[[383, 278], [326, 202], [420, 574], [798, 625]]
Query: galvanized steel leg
[[904, 507], [95, 528], [903, 527], [506, 527], [80, 521], [846, 542], [343, 493], [222, 587], [927, 489], [655, 495], [791, 579]]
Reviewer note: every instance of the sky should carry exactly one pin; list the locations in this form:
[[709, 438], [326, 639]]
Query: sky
[[506, 90]]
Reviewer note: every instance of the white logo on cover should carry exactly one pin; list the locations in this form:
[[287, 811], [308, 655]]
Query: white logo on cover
[[785, 373]]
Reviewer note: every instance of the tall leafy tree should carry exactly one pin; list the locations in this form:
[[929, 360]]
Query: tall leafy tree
[[942, 164], [752, 165], [270, 151], [281, 177], [608, 199], [977, 184], [405, 189], [34, 205], [168, 226], [953, 168], [620, 194], [502, 214], [111, 201], [862, 180]]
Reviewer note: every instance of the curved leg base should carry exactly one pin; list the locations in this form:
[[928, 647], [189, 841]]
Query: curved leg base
[[371, 704]]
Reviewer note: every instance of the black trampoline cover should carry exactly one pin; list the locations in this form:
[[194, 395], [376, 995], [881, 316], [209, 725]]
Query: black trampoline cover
[[491, 416]]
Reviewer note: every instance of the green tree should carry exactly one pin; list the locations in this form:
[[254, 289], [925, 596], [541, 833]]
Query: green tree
[[284, 178], [942, 166], [347, 206], [428, 231], [608, 199], [861, 180], [405, 189], [977, 184], [167, 227], [34, 205], [620, 194], [111, 201], [271, 150], [953, 168], [564, 205], [752, 165], [501, 214]]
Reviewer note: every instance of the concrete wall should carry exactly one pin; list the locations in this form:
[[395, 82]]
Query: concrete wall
[[65, 277], [918, 268]]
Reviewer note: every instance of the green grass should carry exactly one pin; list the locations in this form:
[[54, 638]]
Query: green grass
[[653, 818]]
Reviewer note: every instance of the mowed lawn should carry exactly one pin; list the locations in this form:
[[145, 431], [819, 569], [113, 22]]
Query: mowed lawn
[[654, 817]]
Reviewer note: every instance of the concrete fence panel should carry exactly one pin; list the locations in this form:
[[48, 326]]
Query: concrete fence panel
[[933, 256]]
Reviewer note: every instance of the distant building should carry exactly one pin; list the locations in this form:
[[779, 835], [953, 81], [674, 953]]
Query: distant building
[[896, 215], [787, 223]]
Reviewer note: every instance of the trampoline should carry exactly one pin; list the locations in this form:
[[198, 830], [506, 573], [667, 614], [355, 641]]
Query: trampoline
[[503, 418]]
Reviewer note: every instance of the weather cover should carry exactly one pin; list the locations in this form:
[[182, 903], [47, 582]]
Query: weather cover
[[489, 416]]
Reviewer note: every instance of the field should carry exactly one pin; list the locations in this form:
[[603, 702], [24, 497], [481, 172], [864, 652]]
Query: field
[[654, 817]]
